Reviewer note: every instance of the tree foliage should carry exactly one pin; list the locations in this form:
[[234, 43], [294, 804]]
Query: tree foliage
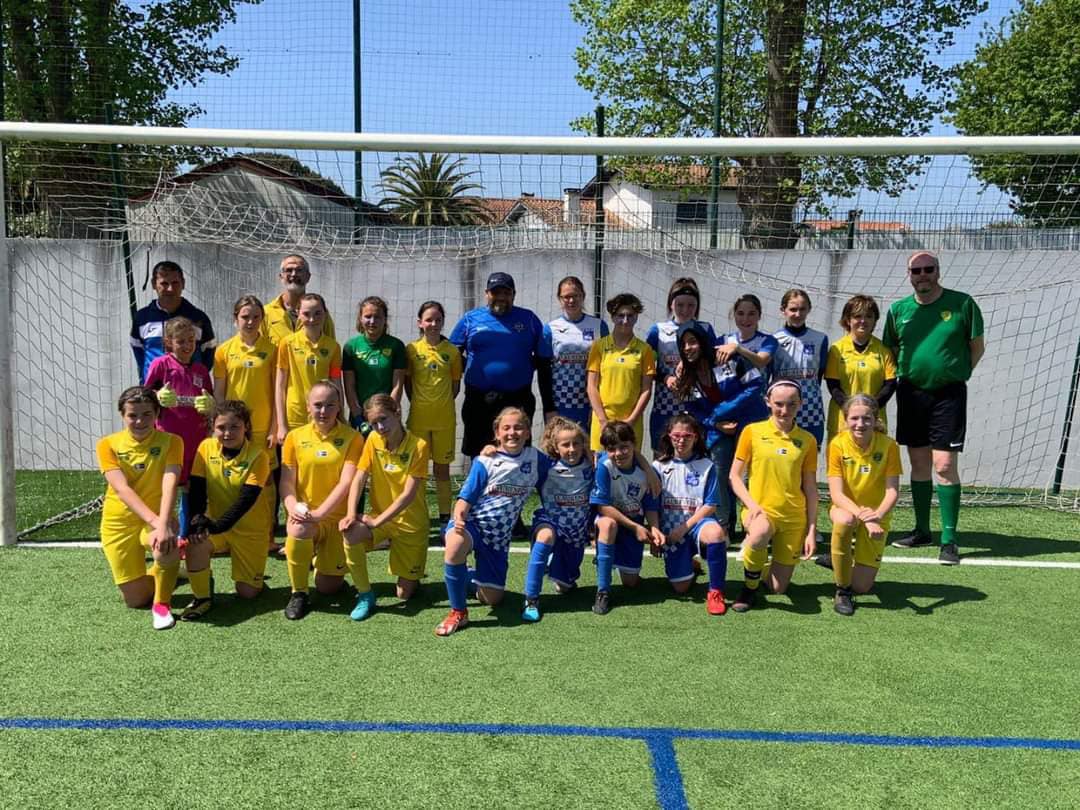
[[1025, 80], [66, 59], [425, 190], [793, 68]]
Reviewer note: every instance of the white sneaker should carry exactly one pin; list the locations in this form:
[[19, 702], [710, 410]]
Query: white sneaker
[[162, 616]]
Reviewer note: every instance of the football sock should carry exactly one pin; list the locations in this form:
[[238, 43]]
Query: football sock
[[754, 560], [442, 496], [457, 580], [299, 554], [534, 574], [605, 556], [922, 493], [356, 557], [164, 580], [842, 556], [200, 583], [948, 496], [716, 558]]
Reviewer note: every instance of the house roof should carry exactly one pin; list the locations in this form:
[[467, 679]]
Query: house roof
[[257, 167], [862, 225], [673, 175], [506, 210]]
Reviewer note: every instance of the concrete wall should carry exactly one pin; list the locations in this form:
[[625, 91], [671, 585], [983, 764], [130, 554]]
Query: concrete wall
[[71, 322]]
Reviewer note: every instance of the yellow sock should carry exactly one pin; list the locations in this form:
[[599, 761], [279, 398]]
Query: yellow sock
[[754, 561], [842, 557], [299, 554], [164, 581], [356, 557], [200, 583], [442, 495]]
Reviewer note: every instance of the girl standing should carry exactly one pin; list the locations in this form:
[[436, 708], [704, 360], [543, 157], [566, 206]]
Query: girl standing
[[781, 501], [569, 339], [244, 370], [303, 358], [801, 356], [433, 383], [141, 466], [621, 369], [864, 480], [373, 362]]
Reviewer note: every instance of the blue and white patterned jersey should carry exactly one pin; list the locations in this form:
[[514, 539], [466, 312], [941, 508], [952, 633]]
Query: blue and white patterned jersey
[[564, 500], [687, 485], [662, 337], [801, 356], [496, 490], [568, 343], [626, 491]]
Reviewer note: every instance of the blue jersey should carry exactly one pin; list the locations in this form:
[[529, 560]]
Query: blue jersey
[[687, 485], [626, 490], [662, 337], [564, 501], [758, 342], [148, 334], [567, 343], [496, 490], [801, 356], [742, 398], [499, 350]]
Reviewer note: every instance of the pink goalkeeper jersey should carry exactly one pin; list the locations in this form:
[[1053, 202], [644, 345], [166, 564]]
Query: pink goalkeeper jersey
[[183, 420]]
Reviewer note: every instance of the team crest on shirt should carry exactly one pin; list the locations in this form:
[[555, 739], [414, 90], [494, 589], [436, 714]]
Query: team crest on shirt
[[519, 327], [198, 381], [324, 352], [797, 442], [155, 451], [633, 490], [338, 442], [807, 349], [404, 457], [386, 352], [587, 334], [526, 467], [878, 456], [262, 355], [946, 315], [692, 478], [445, 357]]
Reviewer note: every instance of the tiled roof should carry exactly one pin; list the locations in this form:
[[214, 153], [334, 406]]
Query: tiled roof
[[862, 225]]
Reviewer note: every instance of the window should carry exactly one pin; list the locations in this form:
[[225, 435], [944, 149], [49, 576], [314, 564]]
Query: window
[[692, 213]]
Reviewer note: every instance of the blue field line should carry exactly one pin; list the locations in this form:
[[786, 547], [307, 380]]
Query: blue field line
[[667, 778]]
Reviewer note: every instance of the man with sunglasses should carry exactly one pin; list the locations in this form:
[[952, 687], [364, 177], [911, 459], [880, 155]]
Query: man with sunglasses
[[937, 337]]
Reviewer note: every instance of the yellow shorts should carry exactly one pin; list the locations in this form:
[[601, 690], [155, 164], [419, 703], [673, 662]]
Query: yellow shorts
[[868, 552], [408, 552], [125, 544], [787, 539], [248, 554], [440, 443], [330, 549]]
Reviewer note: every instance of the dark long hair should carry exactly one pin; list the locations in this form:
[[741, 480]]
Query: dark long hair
[[666, 450]]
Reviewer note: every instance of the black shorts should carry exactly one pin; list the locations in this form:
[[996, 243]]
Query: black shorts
[[935, 419], [479, 410]]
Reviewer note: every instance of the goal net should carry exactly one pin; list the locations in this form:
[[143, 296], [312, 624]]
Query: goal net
[[89, 210]]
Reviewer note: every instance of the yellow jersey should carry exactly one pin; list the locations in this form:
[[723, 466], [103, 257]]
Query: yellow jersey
[[621, 380], [143, 464], [278, 323], [389, 470], [248, 372], [307, 363], [858, 372], [433, 370], [319, 461], [225, 477], [777, 461], [864, 471]]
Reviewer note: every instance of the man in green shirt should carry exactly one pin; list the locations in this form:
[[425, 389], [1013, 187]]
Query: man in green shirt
[[937, 337]]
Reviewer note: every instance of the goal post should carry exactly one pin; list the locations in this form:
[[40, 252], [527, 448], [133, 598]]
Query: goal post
[[227, 205]]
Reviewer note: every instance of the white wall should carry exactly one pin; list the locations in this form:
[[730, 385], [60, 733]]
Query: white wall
[[71, 322]]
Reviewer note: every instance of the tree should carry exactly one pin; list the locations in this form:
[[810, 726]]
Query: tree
[[66, 59], [430, 190], [794, 68], [1025, 80]]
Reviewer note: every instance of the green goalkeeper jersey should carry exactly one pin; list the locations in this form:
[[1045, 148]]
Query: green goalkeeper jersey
[[932, 342]]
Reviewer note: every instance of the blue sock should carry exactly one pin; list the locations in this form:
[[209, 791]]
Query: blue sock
[[534, 574], [183, 513], [716, 557], [605, 556], [457, 579]]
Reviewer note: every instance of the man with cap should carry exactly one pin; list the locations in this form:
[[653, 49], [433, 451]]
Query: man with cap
[[501, 344], [937, 337]]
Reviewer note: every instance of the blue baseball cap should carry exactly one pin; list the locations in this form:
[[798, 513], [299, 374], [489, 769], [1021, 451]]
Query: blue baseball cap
[[500, 280]]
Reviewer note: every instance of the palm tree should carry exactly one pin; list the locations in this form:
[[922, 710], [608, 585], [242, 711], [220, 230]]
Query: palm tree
[[429, 190]]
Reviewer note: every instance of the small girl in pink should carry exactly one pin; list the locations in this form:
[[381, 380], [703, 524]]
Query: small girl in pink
[[184, 389]]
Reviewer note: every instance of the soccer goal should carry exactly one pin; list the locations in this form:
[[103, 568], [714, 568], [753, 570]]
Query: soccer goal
[[90, 209]]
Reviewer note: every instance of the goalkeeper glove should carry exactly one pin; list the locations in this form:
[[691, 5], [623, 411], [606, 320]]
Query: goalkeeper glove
[[204, 403], [167, 398]]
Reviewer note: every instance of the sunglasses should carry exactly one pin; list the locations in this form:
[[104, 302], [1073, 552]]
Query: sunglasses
[[918, 271], [682, 437]]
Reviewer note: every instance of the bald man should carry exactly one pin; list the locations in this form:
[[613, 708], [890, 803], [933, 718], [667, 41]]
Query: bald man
[[937, 337]]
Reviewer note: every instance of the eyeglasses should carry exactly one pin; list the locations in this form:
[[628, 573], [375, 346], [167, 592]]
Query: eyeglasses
[[918, 271], [625, 317], [571, 297], [682, 437]]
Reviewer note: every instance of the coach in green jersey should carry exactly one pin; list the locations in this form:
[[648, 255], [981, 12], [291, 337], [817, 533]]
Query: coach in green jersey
[[937, 337]]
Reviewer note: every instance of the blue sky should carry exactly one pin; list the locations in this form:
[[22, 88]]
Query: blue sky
[[499, 67]]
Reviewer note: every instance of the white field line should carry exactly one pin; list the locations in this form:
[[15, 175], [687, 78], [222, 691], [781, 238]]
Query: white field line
[[990, 562]]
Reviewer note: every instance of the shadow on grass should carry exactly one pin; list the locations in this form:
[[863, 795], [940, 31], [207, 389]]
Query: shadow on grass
[[984, 544], [921, 598]]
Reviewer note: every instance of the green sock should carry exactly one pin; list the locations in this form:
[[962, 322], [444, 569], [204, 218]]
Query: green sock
[[922, 493], [948, 496]]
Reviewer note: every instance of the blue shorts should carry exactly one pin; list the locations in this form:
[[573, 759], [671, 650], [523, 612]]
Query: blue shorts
[[679, 560], [491, 562], [564, 565], [629, 551]]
